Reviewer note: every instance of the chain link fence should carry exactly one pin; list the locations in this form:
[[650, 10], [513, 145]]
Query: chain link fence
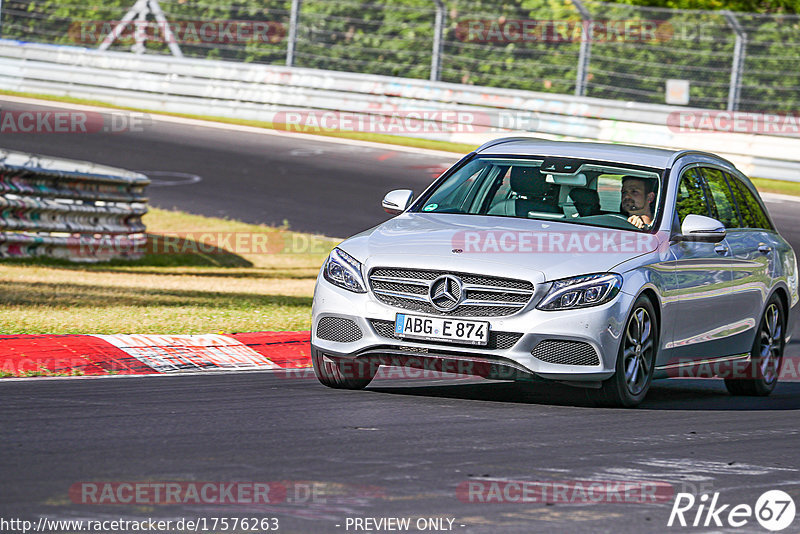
[[738, 61]]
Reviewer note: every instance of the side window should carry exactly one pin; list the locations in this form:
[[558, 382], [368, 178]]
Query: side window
[[608, 189], [502, 191], [753, 215], [691, 196], [722, 203]]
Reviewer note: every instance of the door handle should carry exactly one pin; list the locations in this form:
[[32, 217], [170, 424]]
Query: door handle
[[764, 249], [721, 249]]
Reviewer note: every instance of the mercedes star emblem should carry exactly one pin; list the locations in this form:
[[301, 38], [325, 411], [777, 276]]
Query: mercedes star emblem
[[445, 292]]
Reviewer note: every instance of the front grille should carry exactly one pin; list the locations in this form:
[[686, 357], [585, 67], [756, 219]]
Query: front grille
[[566, 353], [338, 329], [483, 296], [497, 340]]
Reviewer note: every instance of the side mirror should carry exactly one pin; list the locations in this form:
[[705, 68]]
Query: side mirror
[[702, 229], [396, 202]]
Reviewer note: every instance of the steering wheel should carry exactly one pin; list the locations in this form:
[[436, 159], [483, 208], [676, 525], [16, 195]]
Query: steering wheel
[[623, 217]]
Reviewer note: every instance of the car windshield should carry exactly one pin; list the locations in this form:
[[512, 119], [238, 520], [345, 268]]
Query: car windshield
[[578, 191]]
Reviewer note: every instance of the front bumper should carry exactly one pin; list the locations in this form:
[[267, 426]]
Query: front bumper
[[599, 327]]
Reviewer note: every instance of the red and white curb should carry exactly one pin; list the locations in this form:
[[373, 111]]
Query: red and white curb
[[137, 354]]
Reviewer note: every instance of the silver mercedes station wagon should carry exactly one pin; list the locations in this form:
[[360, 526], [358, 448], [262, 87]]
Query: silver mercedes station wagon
[[596, 265]]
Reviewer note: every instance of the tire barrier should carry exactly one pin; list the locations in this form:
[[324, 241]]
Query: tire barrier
[[69, 209]]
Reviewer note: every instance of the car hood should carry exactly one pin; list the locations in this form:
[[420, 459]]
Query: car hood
[[529, 249]]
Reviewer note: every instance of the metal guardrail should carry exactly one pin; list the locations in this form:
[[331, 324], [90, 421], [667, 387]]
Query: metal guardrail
[[263, 92], [69, 209], [725, 60]]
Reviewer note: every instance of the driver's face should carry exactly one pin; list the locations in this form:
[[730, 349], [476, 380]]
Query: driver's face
[[634, 198]]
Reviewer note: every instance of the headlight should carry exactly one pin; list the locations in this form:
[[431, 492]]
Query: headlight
[[342, 270], [581, 292]]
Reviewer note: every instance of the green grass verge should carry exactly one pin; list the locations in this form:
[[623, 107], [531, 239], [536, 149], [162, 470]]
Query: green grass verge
[[777, 186], [226, 277]]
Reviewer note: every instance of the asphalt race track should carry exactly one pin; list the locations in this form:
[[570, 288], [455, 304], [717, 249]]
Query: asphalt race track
[[318, 186], [402, 448]]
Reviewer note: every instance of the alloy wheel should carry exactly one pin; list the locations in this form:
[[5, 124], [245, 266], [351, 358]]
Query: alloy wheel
[[637, 355], [771, 343]]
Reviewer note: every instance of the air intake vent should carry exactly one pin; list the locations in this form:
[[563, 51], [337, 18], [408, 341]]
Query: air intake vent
[[497, 340], [338, 329], [566, 353]]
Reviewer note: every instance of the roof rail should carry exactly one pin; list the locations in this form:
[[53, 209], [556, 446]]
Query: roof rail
[[681, 153], [502, 140]]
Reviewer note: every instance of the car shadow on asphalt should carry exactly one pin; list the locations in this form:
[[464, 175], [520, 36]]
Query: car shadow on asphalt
[[489, 391], [675, 394]]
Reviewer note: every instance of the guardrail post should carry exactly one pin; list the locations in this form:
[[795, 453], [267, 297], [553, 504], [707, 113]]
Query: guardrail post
[[290, 46], [139, 33], [172, 41], [585, 51], [737, 67], [438, 41], [139, 11]]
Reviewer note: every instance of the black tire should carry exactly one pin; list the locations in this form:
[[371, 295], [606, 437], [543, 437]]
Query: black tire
[[766, 356], [636, 359], [340, 374]]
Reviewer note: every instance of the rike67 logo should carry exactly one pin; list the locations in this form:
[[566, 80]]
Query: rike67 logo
[[774, 510]]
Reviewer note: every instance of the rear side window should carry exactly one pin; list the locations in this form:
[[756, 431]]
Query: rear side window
[[722, 204], [691, 196], [753, 215]]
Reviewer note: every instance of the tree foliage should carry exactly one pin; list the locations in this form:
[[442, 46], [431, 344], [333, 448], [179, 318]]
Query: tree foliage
[[395, 38]]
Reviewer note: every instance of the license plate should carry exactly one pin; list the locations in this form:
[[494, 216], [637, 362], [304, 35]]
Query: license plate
[[440, 328]]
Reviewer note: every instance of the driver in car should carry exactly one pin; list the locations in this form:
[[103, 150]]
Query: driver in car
[[637, 200]]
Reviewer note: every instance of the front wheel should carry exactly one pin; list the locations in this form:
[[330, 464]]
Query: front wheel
[[343, 374], [766, 356], [635, 360]]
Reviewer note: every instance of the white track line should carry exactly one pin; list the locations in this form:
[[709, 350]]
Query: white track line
[[778, 198]]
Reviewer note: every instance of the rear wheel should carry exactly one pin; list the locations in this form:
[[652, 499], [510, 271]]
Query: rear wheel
[[343, 374], [635, 360], [766, 357]]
